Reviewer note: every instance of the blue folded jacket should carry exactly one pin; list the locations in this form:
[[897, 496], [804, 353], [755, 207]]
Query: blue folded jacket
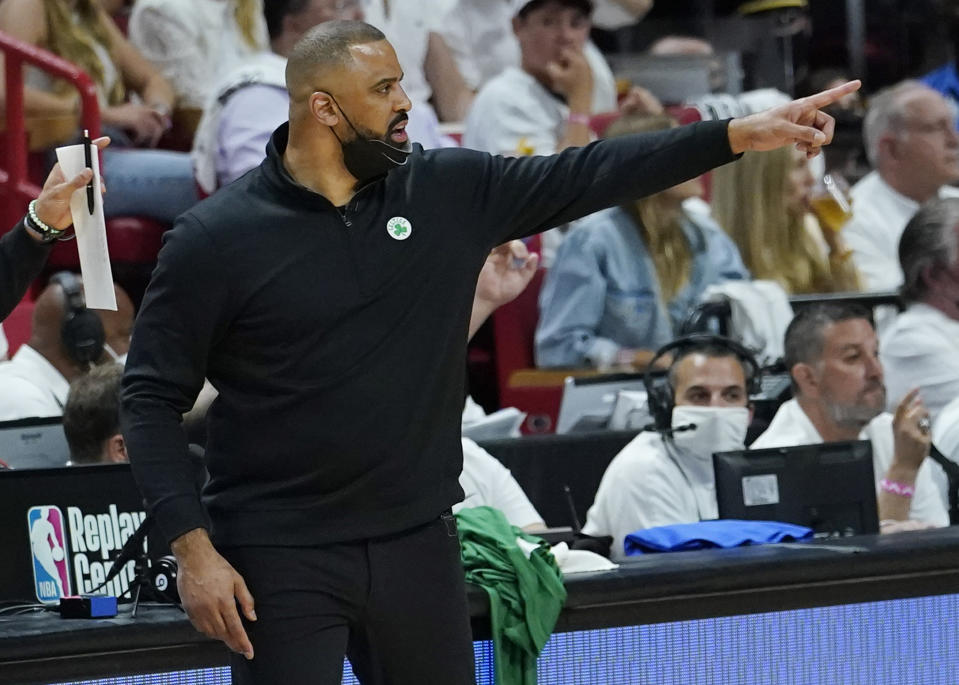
[[709, 534]]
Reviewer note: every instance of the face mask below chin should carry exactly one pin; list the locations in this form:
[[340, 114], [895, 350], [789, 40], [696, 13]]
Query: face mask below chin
[[367, 158], [717, 429]]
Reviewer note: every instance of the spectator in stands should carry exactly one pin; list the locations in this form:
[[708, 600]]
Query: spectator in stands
[[480, 35], [921, 347], [912, 145], [154, 183], [544, 105], [486, 482], [195, 43], [35, 382], [247, 105], [762, 202], [91, 417], [24, 248], [831, 352], [666, 477], [625, 279]]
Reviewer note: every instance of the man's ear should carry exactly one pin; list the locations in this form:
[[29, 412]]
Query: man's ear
[[116, 450], [323, 109], [889, 144], [804, 376], [517, 25]]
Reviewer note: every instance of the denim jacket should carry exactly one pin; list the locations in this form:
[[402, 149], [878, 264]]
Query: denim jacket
[[602, 293]]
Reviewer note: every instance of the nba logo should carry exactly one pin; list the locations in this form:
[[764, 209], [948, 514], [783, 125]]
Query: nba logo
[[48, 542]]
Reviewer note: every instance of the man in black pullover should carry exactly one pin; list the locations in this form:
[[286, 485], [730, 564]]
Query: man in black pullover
[[328, 301]]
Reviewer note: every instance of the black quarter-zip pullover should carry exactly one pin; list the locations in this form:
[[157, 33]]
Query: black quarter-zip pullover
[[336, 337]]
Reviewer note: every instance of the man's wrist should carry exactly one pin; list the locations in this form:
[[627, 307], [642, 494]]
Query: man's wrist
[[191, 543], [738, 136], [899, 476], [39, 229]]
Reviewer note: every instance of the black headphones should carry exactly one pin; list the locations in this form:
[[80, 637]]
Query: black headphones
[[659, 392], [81, 331]]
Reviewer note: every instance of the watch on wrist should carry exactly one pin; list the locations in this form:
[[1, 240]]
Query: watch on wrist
[[46, 232]]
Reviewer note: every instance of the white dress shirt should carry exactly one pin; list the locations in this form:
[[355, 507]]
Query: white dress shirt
[[921, 349], [791, 426], [647, 485], [30, 387], [487, 482], [879, 215]]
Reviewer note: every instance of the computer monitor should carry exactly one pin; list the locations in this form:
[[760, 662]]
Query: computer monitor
[[588, 401], [62, 526], [33, 443], [828, 487]]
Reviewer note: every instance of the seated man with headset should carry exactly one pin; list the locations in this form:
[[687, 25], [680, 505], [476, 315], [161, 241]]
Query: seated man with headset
[[665, 476], [66, 339]]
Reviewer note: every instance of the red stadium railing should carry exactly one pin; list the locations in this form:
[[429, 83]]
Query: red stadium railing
[[16, 188]]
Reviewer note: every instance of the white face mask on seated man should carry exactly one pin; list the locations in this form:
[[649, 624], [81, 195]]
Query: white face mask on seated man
[[700, 431]]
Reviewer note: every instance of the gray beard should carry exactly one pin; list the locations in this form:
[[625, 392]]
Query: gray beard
[[851, 416]]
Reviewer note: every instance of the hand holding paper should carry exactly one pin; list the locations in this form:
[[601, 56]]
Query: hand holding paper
[[53, 203], [90, 228]]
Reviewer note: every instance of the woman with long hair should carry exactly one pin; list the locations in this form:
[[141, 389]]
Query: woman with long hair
[[625, 279], [153, 183], [762, 202]]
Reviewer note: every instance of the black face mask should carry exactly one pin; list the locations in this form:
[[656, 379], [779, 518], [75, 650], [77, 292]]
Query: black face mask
[[366, 157]]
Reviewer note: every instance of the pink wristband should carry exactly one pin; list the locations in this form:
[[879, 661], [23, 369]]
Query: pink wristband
[[901, 489], [577, 118]]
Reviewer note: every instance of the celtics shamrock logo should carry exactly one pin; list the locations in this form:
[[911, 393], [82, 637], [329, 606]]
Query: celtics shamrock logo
[[399, 228]]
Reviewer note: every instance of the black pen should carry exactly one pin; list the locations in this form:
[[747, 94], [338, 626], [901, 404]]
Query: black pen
[[88, 160]]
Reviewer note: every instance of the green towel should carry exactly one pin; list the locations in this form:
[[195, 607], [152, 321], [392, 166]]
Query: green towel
[[525, 594]]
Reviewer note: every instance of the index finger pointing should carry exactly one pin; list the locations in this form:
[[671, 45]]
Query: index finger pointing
[[827, 97]]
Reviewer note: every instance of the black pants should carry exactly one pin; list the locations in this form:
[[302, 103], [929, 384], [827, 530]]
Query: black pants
[[396, 606]]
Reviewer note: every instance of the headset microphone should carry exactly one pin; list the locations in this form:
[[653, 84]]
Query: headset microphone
[[651, 427]]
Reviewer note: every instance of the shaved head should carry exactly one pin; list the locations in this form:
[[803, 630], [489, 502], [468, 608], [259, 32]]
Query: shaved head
[[325, 47]]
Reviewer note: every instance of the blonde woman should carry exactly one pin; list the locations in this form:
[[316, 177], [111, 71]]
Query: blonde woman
[[624, 279], [197, 42], [152, 183], [762, 201]]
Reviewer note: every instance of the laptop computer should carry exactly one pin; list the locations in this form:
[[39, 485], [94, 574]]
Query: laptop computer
[[33, 443], [588, 402]]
